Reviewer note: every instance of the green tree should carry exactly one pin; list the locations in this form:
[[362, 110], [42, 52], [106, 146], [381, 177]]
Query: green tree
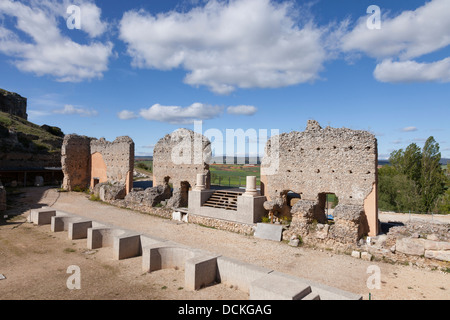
[[432, 179], [443, 203], [414, 181], [397, 192], [408, 162]]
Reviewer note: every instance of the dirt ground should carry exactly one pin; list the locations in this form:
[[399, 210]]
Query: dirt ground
[[35, 260]]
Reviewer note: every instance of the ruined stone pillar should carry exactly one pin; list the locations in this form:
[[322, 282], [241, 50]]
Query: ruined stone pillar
[[201, 182], [250, 188]]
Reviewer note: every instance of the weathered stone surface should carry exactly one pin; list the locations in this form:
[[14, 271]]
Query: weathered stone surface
[[304, 208], [436, 245], [331, 160], [179, 197], [443, 255], [410, 246], [322, 233], [13, 103], [269, 231], [366, 256], [110, 191], [75, 161], [116, 156], [180, 156], [348, 212], [317, 162], [87, 161], [150, 196], [294, 241]]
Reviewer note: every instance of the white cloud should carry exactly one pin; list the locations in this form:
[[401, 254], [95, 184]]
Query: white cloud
[[127, 115], [226, 45], [242, 110], [46, 51], [90, 20], [409, 129], [403, 38], [412, 71], [409, 35], [72, 110], [181, 115]]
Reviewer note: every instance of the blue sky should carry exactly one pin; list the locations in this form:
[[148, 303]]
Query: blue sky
[[146, 68]]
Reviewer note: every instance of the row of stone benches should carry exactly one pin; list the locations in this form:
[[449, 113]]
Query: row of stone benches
[[201, 268]]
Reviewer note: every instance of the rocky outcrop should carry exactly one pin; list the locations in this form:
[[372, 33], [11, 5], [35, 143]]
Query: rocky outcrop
[[13, 103]]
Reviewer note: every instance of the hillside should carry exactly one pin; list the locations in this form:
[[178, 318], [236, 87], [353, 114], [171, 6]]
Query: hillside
[[25, 144]]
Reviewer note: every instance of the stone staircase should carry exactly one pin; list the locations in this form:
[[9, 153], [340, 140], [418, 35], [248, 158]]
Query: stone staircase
[[223, 199]]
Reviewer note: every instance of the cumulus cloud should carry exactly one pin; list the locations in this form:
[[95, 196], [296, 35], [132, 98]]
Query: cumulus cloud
[[412, 71], [91, 22], [181, 115], [72, 110], [242, 110], [402, 39], [127, 115], [226, 45], [409, 35], [45, 50]]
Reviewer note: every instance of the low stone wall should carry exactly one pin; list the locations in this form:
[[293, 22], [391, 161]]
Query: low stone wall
[[143, 207], [246, 229], [423, 244]]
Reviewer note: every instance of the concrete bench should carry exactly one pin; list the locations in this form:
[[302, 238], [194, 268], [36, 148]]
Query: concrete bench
[[41, 216], [277, 286], [200, 267], [239, 274]]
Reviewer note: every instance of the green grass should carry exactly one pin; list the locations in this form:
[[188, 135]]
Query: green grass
[[233, 174]]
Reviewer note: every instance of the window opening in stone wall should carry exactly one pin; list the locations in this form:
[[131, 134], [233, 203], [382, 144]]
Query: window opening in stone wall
[[327, 203]]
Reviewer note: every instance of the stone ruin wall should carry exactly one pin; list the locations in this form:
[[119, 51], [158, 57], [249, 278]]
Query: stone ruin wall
[[75, 161], [320, 161], [83, 158], [118, 158], [180, 156]]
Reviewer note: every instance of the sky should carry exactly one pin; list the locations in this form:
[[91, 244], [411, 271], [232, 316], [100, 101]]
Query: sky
[[141, 68]]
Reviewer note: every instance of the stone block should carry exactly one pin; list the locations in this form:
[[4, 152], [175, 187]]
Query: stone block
[[443, 255], [79, 229], [239, 274], [269, 231], [277, 286], [98, 237], [42, 216], [356, 254], [410, 246], [436, 245], [366, 256], [127, 245], [61, 222], [200, 271]]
